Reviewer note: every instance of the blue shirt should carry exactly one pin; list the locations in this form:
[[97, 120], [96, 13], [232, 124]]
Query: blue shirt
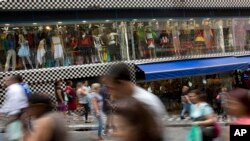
[[200, 110]]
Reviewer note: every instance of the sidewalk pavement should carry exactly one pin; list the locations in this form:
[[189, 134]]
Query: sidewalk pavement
[[78, 123]]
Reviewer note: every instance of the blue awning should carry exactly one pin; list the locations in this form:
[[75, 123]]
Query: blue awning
[[244, 59], [185, 68]]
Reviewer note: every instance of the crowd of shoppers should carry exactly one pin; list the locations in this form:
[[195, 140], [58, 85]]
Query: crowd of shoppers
[[31, 116]]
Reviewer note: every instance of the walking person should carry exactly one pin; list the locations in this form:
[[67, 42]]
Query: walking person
[[25, 86], [237, 104], [107, 109], [13, 106], [72, 104], [202, 114], [221, 100], [47, 125], [83, 100], [135, 124], [118, 82], [60, 98], [97, 106], [185, 102]]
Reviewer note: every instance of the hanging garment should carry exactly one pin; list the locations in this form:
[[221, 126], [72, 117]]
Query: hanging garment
[[58, 49], [220, 38], [40, 52], [208, 36], [24, 51]]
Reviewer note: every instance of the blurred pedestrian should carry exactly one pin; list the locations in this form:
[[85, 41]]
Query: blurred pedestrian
[[47, 125], [135, 122], [107, 108], [237, 104], [221, 102], [72, 104], [25, 86], [83, 97], [60, 98], [202, 114], [97, 106], [185, 102], [13, 106], [118, 82]]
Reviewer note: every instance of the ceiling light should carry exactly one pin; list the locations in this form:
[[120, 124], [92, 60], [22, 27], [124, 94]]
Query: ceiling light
[[34, 23], [84, 21], [59, 22], [7, 24]]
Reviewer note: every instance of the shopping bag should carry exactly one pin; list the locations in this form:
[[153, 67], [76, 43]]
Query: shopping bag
[[14, 130], [194, 134]]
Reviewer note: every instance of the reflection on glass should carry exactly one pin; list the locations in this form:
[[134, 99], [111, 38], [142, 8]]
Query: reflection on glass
[[77, 43]]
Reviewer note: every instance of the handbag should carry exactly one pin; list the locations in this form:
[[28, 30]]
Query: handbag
[[211, 131]]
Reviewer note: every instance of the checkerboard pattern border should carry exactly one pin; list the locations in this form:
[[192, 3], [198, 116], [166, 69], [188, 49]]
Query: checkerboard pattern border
[[118, 4]]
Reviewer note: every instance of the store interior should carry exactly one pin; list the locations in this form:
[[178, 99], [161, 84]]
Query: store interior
[[63, 43]]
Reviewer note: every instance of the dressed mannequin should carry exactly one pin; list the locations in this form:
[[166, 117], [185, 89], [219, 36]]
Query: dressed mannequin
[[58, 49], [40, 56], [85, 46], [77, 55], [220, 36], [164, 42], [98, 43], [113, 49], [150, 43], [24, 51], [176, 40], [208, 34], [239, 34], [123, 40], [9, 46]]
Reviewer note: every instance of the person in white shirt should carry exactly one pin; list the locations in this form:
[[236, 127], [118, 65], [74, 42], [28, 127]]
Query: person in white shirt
[[118, 82], [16, 100]]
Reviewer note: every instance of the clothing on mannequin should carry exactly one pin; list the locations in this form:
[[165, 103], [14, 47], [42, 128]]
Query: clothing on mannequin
[[220, 36], [123, 40], [240, 34], [176, 41], [150, 44], [98, 43], [85, 46], [164, 41], [208, 34], [40, 56], [9, 46], [78, 58], [113, 49], [57, 46], [24, 51]]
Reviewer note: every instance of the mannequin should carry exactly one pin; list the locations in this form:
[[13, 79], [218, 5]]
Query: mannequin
[[85, 46], [176, 40], [9, 46], [240, 34], [78, 58], [24, 51], [113, 49], [58, 49], [150, 43], [164, 42], [123, 40], [220, 36], [40, 56], [208, 34], [98, 43]]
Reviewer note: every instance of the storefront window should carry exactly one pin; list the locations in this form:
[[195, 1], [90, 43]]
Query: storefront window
[[52, 45], [76, 43], [178, 37]]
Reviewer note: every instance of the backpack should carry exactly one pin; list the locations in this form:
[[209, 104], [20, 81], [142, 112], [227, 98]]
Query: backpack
[[27, 90]]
